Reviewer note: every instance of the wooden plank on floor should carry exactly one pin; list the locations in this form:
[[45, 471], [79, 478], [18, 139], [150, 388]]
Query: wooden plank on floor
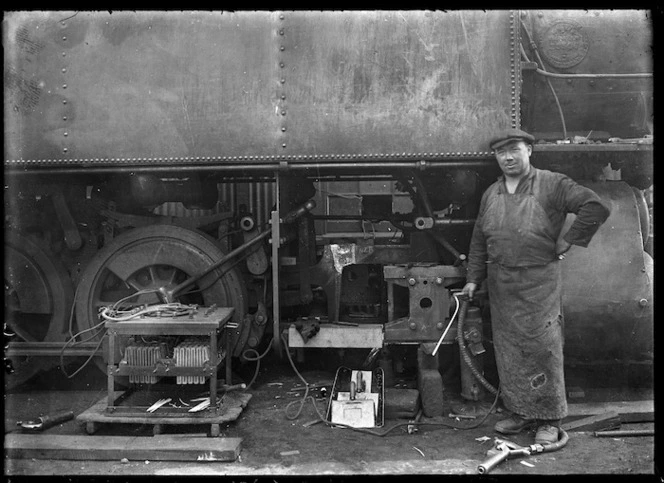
[[114, 448], [230, 410], [629, 411], [599, 422]]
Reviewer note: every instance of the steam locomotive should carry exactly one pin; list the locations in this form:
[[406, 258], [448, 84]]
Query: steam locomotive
[[322, 167]]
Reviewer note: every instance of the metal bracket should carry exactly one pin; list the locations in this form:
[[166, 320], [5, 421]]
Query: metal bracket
[[429, 301]]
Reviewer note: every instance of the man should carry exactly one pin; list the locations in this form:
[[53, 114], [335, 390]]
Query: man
[[516, 246]]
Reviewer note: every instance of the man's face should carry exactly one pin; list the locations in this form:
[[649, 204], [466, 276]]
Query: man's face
[[514, 158]]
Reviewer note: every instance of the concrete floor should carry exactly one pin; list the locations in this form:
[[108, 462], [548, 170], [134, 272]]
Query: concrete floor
[[267, 432]]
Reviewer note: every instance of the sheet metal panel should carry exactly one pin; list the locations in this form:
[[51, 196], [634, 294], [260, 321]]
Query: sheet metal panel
[[138, 88], [396, 81], [590, 42], [139, 84]]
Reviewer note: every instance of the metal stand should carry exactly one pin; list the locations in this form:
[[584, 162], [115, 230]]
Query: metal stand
[[207, 322]]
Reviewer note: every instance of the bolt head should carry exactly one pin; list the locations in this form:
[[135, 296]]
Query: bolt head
[[412, 281]]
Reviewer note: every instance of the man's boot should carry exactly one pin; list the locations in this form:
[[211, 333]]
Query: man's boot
[[513, 425]]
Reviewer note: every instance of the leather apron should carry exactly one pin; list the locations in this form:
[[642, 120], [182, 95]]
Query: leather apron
[[525, 292]]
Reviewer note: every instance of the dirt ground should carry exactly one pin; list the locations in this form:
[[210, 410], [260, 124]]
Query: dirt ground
[[268, 427]]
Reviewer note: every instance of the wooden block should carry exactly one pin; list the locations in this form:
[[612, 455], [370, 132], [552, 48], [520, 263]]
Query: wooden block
[[363, 336], [114, 448], [629, 411], [598, 422], [430, 386], [401, 403]]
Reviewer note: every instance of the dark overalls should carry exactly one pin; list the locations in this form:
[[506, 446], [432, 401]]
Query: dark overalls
[[525, 291]]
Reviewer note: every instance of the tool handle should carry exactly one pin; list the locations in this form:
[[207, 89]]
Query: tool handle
[[491, 462], [52, 419]]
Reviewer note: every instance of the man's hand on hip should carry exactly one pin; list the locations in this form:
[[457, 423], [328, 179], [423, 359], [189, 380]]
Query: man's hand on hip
[[561, 248]]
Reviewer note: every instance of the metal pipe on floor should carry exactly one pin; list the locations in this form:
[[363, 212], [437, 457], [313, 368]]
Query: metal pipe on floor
[[624, 433]]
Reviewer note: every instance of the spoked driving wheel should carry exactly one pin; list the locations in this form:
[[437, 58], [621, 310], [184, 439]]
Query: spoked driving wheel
[[38, 298], [137, 263]]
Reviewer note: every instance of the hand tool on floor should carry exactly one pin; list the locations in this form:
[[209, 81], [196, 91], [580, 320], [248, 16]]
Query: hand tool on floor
[[500, 452], [504, 449], [45, 422]]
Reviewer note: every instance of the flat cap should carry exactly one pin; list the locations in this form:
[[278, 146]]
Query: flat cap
[[505, 137]]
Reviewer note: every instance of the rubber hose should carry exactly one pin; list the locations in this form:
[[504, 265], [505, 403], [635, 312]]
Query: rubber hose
[[464, 352], [563, 438]]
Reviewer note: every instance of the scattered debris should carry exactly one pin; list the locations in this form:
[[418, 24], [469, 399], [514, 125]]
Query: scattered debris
[[124, 461], [275, 383], [200, 406], [461, 416], [158, 404], [482, 439], [290, 453], [525, 463], [575, 392], [419, 451]]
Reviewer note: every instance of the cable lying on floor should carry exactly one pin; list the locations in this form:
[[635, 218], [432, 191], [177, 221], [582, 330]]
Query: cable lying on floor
[[365, 430]]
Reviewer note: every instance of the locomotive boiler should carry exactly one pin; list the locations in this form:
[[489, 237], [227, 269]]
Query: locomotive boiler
[[319, 167]]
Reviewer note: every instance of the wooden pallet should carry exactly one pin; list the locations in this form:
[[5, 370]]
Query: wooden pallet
[[229, 410]]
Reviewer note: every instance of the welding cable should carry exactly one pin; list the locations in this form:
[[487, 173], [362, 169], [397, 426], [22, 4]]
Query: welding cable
[[306, 396], [419, 423], [140, 292], [99, 327], [464, 352], [256, 358], [174, 309], [165, 310], [306, 390]]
